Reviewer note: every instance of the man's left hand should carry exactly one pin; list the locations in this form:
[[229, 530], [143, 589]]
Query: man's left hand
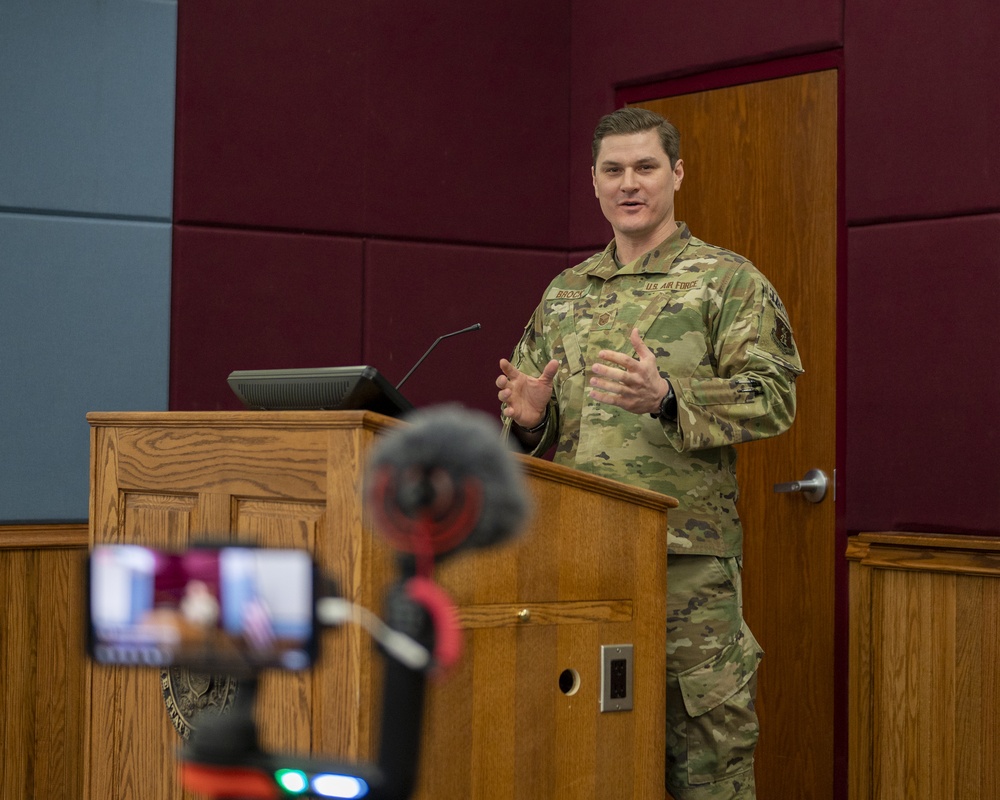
[[633, 384]]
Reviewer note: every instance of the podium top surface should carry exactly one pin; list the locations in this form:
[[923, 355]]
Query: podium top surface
[[239, 419]]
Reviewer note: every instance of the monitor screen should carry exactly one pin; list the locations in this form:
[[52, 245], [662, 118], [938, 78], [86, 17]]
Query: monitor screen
[[361, 388]]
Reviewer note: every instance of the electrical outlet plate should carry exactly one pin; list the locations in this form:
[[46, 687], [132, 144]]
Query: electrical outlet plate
[[616, 677]]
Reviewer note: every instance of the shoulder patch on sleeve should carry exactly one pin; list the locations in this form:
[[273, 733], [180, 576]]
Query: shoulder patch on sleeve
[[775, 339], [781, 334]]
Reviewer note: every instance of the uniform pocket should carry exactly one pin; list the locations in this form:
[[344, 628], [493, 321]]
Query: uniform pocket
[[563, 337], [719, 694], [569, 339]]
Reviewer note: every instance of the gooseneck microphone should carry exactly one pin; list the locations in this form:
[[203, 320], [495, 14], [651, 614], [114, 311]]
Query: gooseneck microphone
[[437, 341]]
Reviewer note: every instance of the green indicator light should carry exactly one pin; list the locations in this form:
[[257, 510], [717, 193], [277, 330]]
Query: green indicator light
[[293, 781]]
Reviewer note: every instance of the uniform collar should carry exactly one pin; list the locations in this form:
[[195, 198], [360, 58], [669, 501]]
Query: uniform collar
[[657, 260]]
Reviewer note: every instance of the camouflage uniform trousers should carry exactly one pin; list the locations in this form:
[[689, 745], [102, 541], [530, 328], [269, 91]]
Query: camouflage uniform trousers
[[712, 663]]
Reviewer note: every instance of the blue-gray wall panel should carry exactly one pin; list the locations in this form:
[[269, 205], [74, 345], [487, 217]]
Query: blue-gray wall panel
[[84, 326], [87, 99]]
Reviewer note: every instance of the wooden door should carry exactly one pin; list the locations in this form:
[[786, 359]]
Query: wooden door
[[761, 179]]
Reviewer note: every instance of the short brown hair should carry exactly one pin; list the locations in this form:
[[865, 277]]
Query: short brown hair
[[638, 120]]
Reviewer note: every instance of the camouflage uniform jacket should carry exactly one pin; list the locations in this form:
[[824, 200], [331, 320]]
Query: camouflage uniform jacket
[[722, 338]]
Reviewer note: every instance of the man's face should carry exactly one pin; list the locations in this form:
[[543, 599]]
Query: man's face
[[635, 184]]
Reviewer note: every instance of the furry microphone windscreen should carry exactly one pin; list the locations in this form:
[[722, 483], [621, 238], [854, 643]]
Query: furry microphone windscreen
[[430, 462]]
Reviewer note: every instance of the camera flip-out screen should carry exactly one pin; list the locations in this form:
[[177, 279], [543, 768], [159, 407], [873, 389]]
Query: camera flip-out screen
[[229, 608]]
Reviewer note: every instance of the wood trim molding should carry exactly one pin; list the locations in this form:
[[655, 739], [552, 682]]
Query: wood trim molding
[[43, 535], [730, 76], [931, 552]]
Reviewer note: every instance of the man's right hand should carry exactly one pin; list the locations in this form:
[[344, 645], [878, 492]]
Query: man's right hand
[[525, 398]]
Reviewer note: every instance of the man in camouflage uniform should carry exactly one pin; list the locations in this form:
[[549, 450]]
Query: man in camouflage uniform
[[646, 364]]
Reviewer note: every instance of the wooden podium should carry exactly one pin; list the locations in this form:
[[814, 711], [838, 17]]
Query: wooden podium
[[519, 718]]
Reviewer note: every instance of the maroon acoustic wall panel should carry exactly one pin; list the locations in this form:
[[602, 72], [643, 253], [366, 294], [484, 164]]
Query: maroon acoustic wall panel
[[416, 293], [254, 300], [468, 121], [270, 120], [443, 121], [922, 411], [922, 108], [612, 49]]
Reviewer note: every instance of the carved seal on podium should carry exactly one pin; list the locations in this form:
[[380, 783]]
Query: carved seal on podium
[[189, 695]]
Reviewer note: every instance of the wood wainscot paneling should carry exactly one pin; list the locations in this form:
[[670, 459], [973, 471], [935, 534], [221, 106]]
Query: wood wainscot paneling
[[924, 701], [41, 660]]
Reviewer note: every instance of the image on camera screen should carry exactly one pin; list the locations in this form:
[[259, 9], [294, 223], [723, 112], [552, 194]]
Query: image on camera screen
[[227, 608]]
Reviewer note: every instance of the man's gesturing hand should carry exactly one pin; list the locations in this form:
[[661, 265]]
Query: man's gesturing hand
[[525, 398], [634, 384]]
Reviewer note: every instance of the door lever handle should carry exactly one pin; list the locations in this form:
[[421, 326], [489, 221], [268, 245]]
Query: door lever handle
[[813, 486]]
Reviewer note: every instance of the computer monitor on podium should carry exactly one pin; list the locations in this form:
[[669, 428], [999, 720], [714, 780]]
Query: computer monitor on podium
[[361, 388]]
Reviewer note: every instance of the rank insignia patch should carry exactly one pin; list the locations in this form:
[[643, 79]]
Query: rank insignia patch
[[604, 320]]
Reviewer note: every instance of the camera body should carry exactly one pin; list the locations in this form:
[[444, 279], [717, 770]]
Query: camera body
[[240, 610]]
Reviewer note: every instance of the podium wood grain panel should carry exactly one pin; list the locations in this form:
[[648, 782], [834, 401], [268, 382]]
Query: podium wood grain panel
[[128, 722], [167, 482], [284, 707], [589, 570]]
